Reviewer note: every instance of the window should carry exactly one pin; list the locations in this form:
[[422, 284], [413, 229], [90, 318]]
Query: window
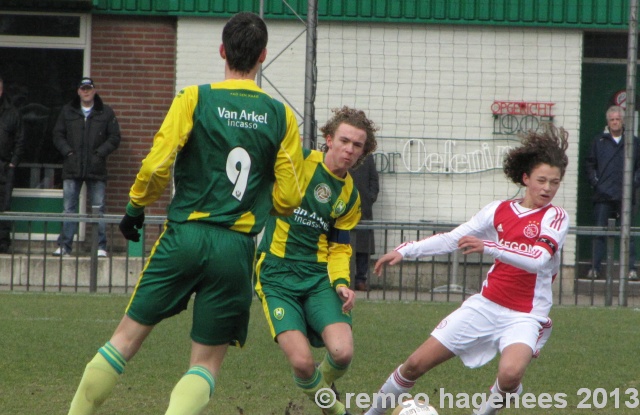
[[605, 45], [40, 25], [41, 59]]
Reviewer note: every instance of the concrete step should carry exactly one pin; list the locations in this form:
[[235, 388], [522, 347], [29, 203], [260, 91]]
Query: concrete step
[[68, 271], [598, 287]]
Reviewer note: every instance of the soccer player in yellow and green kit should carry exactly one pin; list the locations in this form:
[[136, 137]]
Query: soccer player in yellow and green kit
[[303, 268], [237, 156]]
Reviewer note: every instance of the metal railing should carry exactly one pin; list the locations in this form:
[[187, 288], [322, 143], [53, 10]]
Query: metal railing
[[454, 277], [31, 265]]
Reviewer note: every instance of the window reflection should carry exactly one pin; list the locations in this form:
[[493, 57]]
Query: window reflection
[[39, 82], [39, 25]]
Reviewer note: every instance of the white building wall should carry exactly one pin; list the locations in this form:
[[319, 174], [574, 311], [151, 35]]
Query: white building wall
[[198, 58], [430, 83]]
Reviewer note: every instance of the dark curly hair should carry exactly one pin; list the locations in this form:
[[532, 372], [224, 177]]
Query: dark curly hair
[[548, 147], [355, 118]]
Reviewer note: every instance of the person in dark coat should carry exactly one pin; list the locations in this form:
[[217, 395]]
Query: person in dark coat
[[605, 170], [366, 180], [86, 132], [11, 150]]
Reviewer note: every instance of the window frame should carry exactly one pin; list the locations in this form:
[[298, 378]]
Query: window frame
[[80, 42]]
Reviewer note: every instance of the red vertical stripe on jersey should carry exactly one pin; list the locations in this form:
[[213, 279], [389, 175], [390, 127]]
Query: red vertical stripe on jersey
[[518, 232]]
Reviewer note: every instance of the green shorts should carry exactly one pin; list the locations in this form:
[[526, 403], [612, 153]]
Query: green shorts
[[214, 263], [297, 295]]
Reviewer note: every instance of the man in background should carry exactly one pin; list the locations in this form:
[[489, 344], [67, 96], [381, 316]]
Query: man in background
[[87, 131], [365, 178], [605, 170], [11, 149]]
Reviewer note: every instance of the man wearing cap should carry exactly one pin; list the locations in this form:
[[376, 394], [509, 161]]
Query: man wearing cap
[[86, 132]]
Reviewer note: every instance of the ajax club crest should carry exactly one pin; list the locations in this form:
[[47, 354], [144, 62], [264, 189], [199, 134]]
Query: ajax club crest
[[532, 230]]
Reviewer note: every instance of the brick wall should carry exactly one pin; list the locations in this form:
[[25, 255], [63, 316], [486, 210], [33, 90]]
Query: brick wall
[[133, 66]]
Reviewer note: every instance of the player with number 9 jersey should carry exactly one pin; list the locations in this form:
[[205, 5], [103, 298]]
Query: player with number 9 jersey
[[230, 141], [236, 156]]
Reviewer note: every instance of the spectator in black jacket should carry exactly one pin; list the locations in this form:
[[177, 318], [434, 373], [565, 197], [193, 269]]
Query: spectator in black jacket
[[11, 149], [365, 178], [86, 132], [605, 170]]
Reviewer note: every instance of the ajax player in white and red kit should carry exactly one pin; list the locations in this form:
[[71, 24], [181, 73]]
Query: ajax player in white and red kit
[[524, 243], [510, 315]]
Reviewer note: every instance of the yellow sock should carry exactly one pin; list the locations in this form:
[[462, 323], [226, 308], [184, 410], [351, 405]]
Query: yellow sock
[[311, 386], [99, 379], [192, 393], [330, 370]]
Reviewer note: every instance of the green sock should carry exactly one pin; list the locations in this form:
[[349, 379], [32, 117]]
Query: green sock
[[191, 394], [331, 371], [99, 379], [312, 385]]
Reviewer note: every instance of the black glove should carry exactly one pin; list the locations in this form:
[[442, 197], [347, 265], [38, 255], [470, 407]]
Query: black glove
[[129, 226]]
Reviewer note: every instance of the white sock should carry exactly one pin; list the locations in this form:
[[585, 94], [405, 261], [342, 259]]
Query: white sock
[[495, 402], [389, 392]]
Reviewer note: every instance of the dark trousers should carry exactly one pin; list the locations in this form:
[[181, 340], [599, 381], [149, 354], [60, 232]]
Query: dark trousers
[[362, 266], [602, 211], [6, 187]]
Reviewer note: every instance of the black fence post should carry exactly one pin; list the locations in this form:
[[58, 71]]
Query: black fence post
[[95, 223], [608, 288]]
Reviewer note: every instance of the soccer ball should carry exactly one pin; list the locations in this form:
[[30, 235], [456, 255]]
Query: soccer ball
[[410, 407]]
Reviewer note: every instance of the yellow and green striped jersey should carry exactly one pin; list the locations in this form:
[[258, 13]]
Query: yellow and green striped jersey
[[236, 155], [329, 204]]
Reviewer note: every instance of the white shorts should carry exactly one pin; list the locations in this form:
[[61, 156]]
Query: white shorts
[[480, 328]]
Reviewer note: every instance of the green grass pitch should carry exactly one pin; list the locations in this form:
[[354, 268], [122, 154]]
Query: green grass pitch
[[46, 340]]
